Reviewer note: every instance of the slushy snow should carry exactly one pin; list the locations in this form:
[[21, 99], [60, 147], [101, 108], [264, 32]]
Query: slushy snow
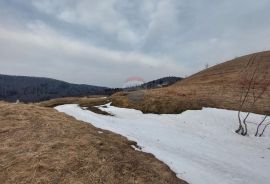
[[200, 146]]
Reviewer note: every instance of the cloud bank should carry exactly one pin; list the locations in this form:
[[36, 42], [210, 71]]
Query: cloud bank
[[105, 42]]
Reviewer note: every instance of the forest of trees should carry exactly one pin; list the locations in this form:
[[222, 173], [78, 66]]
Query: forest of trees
[[34, 89], [162, 82]]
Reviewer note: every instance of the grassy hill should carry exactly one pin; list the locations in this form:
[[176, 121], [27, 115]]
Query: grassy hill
[[41, 145], [220, 86]]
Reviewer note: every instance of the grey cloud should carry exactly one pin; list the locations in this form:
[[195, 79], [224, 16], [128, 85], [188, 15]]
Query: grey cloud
[[103, 42], [44, 52]]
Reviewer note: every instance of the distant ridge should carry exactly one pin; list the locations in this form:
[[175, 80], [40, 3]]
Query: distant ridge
[[158, 83], [34, 89], [37, 89], [162, 82]]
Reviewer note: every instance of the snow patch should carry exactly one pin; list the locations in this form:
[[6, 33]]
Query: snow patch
[[200, 146]]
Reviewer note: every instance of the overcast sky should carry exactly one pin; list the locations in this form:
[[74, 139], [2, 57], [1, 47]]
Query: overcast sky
[[106, 41]]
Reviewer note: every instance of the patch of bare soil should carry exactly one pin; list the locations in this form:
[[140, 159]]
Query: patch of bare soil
[[98, 111], [220, 86], [41, 145]]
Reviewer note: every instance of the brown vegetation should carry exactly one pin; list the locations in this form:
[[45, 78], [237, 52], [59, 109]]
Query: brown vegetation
[[41, 145], [86, 102], [219, 86], [82, 101]]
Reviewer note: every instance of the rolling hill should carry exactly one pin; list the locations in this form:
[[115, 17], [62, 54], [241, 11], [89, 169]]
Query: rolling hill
[[158, 83], [220, 86], [34, 89], [162, 82]]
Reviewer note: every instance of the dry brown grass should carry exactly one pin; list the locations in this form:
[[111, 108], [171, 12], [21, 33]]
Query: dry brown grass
[[218, 86], [82, 101], [88, 102], [41, 145]]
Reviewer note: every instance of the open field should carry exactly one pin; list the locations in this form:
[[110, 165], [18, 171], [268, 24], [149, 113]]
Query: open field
[[41, 145], [200, 146], [220, 86], [134, 92]]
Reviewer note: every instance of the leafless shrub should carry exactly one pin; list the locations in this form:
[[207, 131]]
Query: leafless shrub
[[253, 86]]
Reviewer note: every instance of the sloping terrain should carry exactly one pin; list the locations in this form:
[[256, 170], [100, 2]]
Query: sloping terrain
[[41, 145], [221, 86], [199, 145], [158, 83], [33, 89], [165, 81]]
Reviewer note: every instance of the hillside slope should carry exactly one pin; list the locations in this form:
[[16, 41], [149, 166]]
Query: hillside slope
[[158, 83], [162, 82], [41, 145], [220, 86], [33, 89]]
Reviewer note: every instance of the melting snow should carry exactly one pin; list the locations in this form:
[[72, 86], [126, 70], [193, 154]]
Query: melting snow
[[199, 146]]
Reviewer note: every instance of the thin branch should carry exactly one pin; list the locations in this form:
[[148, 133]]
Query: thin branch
[[245, 124], [260, 124], [243, 100], [249, 85], [264, 129]]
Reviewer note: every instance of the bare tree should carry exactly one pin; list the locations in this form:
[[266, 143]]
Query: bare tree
[[253, 87], [242, 129]]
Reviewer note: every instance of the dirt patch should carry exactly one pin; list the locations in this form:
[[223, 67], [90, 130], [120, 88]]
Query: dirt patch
[[41, 145], [98, 111]]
